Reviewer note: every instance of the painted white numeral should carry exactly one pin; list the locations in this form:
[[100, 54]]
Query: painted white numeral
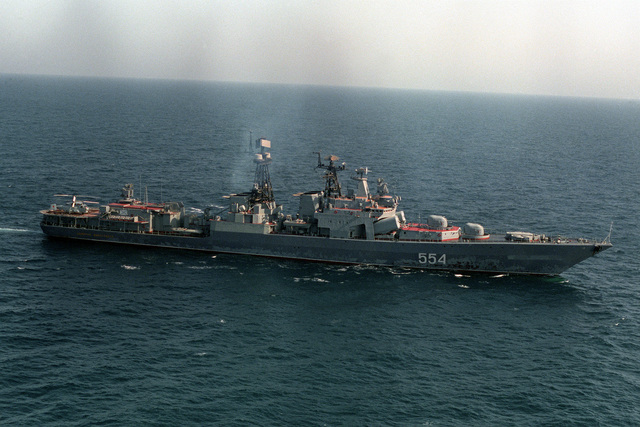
[[424, 258]]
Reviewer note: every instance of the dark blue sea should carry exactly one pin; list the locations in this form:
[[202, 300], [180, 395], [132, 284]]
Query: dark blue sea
[[95, 334]]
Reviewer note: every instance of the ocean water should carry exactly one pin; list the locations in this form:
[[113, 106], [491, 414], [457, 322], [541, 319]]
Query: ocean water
[[96, 334]]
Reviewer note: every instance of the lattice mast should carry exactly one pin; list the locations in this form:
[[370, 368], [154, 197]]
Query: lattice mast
[[262, 189], [332, 187]]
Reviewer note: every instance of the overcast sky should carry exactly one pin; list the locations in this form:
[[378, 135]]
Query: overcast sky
[[573, 48]]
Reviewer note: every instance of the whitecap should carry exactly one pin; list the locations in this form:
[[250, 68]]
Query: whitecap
[[129, 267], [310, 279]]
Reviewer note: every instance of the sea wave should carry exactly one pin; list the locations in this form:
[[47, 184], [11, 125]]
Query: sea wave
[[16, 230]]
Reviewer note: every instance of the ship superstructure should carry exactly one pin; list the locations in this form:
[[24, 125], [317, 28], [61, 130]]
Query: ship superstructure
[[356, 226]]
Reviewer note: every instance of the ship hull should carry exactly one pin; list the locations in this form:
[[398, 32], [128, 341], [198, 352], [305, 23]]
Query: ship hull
[[495, 256]]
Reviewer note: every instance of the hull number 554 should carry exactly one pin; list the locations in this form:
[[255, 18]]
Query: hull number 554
[[425, 258]]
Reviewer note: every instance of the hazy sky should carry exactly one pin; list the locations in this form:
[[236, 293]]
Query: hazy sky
[[575, 48]]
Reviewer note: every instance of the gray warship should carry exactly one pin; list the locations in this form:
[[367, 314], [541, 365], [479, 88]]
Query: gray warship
[[357, 226]]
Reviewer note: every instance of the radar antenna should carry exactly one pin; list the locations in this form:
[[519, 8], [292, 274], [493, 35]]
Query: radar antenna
[[332, 187], [127, 194]]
